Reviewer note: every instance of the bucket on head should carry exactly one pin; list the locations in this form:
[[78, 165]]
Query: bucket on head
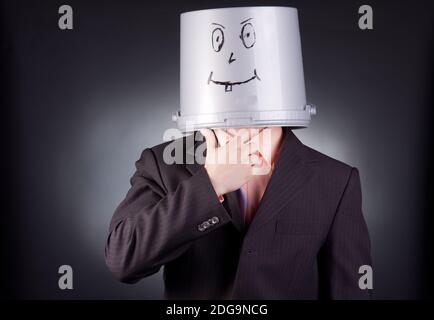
[[241, 67]]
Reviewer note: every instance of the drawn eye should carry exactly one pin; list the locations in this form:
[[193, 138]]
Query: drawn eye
[[218, 38], [248, 35]]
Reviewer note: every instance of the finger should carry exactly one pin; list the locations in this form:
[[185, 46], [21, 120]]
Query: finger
[[255, 160], [231, 131], [244, 134], [256, 135], [261, 169], [247, 150], [223, 136], [248, 157], [251, 147], [210, 139]]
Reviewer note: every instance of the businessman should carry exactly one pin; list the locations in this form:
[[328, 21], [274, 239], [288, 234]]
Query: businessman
[[282, 222]]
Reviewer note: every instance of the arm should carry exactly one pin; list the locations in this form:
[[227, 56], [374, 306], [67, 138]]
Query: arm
[[152, 227], [347, 246]]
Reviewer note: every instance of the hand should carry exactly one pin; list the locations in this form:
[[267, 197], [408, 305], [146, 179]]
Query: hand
[[232, 164]]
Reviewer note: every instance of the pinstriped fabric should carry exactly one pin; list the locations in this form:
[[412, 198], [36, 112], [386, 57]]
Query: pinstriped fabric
[[306, 241]]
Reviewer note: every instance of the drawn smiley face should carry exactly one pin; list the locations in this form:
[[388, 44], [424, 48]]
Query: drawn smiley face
[[248, 38]]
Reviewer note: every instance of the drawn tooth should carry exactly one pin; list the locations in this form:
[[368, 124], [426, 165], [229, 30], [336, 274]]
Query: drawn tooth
[[228, 87], [256, 75]]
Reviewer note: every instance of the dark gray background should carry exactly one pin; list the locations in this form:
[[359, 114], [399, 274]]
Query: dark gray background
[[80, 106]]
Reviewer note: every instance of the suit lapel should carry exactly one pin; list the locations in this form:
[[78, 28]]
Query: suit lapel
[[291, 173], [233, 206]]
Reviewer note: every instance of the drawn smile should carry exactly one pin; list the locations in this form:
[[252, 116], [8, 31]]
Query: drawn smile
[[228, 84]]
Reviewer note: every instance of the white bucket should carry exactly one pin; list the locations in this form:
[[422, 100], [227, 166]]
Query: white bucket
[[241, 67]]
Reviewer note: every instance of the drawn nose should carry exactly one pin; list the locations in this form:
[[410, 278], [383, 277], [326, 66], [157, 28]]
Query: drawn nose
[[231, 59]]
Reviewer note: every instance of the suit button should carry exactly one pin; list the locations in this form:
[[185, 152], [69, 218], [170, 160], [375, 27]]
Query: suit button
[[209, 223], [215, 220]]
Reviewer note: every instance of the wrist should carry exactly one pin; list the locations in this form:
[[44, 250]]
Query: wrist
[[218, 190], [217, 185]]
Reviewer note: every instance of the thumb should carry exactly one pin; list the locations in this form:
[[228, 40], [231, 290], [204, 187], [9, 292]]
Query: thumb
[[211, 142]]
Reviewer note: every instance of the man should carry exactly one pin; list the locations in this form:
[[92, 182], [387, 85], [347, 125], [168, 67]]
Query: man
[[236, 231]]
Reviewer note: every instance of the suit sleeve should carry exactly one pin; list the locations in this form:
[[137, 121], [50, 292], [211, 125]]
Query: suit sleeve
[[347, 247], [152, 227]]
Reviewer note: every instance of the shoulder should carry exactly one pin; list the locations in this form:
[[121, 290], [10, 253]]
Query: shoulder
[[168, 156], [173, 152], [331, 170]]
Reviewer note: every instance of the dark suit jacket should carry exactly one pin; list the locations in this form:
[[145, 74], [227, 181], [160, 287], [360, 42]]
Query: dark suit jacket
[[307, 239]]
